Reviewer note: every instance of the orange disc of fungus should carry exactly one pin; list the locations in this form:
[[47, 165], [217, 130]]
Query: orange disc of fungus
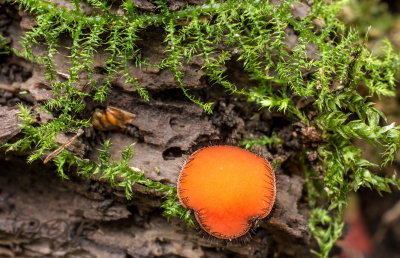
[[228, 188]]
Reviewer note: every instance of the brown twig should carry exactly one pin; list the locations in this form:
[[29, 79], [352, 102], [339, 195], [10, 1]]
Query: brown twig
[[8, 88], [59, 150]]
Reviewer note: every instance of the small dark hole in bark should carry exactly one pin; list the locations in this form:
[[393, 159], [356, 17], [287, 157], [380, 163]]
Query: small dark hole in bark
[[43, 86], [172, 153], [100, 70]]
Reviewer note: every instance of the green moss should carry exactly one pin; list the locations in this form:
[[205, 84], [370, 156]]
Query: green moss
[[4, 48], [269, 141], [255, 30]]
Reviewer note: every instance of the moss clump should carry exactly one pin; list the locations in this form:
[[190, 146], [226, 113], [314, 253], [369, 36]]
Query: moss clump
[[256, 31]]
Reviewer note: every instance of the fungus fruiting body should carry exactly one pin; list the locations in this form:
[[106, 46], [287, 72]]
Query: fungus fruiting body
[[228, 188]]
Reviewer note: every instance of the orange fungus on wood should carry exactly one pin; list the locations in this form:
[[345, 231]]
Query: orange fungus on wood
[[227, 188]]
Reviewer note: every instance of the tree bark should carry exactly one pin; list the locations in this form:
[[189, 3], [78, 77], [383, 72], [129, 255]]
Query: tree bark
[[44, 215]]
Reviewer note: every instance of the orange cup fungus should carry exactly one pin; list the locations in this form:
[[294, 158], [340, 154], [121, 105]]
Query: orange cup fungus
[[228, 188]]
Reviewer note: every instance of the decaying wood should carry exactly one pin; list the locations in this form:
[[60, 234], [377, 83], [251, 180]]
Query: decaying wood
[[9, 123], [41, 214]]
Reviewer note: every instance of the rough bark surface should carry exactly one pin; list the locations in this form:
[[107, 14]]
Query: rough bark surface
[[43, 215]]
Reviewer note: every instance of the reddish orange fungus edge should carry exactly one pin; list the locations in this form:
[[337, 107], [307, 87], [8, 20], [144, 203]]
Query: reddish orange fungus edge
[[228, 188]]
